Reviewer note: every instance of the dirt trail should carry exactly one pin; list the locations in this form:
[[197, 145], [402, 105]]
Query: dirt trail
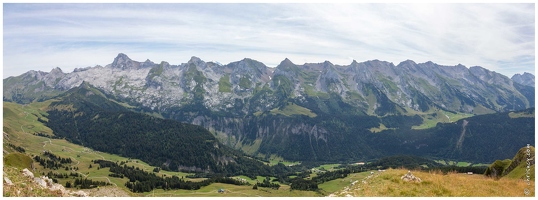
[[24, 118]]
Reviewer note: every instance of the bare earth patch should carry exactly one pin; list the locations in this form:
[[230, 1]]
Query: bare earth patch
[[108, 191]]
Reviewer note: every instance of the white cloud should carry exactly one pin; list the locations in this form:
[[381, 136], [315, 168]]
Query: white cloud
[[42, 36]]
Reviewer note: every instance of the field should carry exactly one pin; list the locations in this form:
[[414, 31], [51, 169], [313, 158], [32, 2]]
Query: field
[[274, 160], [520, 114], [328, 167], [431, 119], [232, 191], [381, 127], [389, 184], [293, 109], [461, 163]]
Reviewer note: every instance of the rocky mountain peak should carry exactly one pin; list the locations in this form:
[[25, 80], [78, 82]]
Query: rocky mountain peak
[[460, 66], [164, 63], [407, 63], [378, 64], [122, 61], [121, 58], [286, 62], [196, 61], [246, 60], [285, 65], [52, 77], [56, 70], [147, 63], [525, 79], [328, 66], [250, 65]]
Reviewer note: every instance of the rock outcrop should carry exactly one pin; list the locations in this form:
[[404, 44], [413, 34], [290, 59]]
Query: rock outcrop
[[8, 182], [47, 183], [409, 177], [27, 173]]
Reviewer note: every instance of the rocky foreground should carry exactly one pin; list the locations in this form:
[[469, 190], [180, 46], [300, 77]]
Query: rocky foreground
[[39, 184], [405, 183], [23, 183]]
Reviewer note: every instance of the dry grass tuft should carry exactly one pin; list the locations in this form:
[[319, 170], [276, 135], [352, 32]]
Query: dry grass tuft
[[435, 184]]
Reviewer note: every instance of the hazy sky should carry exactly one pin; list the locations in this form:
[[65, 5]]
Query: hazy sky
[[499, 37]]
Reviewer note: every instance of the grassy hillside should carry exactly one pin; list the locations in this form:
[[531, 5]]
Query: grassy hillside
[[435, 184], [21, 122], [20, 125], [18, 160], [293, 109], [520, 167], [438, 116]]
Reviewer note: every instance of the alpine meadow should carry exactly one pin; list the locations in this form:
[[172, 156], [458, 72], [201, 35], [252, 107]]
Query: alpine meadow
[[201, 128]]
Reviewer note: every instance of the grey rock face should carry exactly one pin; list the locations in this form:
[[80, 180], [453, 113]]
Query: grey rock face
[[525, 79], [163, 86], [40, 182], [8, 182], [27, 173]]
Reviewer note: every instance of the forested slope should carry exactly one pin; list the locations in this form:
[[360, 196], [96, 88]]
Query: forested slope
[[85, 116]]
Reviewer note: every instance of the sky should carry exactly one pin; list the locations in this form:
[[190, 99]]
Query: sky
[[499, 37]]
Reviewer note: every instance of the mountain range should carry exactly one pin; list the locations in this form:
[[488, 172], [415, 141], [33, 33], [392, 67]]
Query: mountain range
[[407, 85], [314, 111]]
